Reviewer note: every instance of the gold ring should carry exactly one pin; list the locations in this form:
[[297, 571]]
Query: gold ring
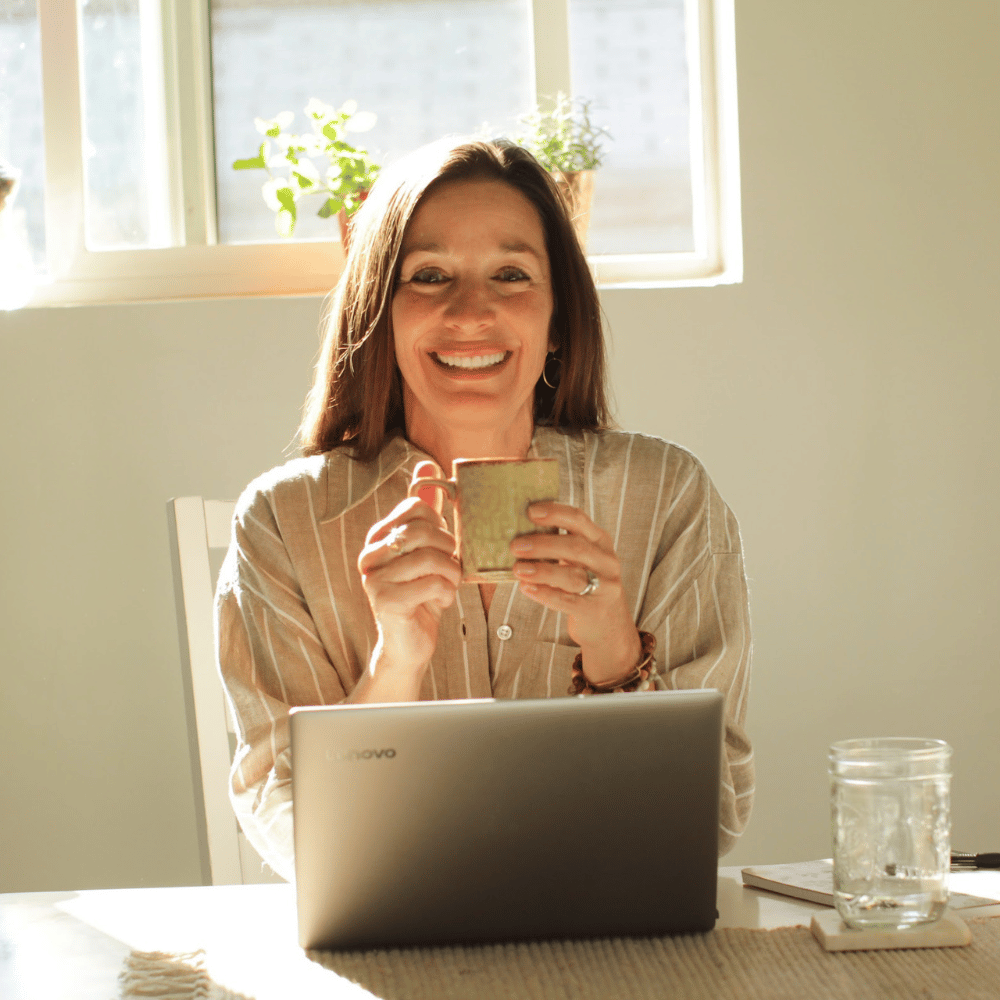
[[392, 540], [592, 584]]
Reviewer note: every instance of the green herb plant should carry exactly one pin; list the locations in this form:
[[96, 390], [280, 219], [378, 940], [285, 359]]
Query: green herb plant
[[564, 139], [293, 175]]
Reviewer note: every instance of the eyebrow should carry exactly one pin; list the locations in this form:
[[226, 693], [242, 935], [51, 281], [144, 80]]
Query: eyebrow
[[422, 248], [519, 247], [513, 246]]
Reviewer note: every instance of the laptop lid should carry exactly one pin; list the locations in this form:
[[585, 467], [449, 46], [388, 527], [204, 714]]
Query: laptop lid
[[484, 820]]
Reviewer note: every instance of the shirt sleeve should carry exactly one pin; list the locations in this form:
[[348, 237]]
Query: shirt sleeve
[[270, 656], [697, 606]]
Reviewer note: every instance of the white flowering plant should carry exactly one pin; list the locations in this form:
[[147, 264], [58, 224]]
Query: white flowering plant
[[293, 174]]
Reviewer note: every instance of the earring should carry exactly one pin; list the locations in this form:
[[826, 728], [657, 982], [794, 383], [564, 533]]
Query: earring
[[558, 361]]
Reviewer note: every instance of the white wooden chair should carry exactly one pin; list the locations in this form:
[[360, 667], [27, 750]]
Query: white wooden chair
[[199, 531]]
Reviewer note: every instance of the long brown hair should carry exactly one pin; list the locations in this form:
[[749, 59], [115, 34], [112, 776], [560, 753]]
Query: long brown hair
[[357, 398]]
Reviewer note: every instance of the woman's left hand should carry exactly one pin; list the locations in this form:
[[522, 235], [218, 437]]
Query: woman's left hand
[[554, 569]]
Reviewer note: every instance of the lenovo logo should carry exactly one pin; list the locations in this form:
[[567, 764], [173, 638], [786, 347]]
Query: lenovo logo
[[353, 755]]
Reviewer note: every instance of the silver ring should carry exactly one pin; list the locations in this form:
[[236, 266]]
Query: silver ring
[[392, 540], [592, 584]]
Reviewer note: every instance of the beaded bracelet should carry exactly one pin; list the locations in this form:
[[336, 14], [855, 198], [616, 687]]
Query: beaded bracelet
[[640, 679]]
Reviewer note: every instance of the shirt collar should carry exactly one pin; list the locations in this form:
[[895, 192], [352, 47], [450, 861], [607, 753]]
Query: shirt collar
[[350, 482]]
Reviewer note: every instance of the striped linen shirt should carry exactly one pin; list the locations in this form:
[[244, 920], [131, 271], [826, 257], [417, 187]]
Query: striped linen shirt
[[294, 626]]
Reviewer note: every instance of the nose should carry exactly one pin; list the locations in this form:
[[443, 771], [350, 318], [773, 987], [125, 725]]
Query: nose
[[470, 306]]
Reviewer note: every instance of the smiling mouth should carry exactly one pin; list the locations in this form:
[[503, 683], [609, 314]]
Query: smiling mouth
[[477, 363]]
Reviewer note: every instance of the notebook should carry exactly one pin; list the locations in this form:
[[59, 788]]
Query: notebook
[[486, 821]]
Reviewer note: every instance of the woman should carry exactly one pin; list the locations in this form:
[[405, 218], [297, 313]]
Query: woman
[[467, 325]]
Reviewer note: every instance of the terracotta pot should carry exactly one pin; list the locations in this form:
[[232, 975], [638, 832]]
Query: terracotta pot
[[346, 225], [577, 189], [9, 177]]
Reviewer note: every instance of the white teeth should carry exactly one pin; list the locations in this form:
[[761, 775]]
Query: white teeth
[[464, 361]]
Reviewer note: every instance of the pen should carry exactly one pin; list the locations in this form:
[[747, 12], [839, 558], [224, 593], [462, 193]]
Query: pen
[[976, 860]]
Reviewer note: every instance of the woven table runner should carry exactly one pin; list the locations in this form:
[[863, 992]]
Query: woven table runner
[[726, 964]]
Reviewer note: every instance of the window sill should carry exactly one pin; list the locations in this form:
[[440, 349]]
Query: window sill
[[120, 276]]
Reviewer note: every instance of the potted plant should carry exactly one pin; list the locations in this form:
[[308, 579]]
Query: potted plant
[[17, 272], [293, 175], [569, 145]]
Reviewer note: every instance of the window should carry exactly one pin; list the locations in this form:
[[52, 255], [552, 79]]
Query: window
[[126, 188], [426, 68], [22, 207]]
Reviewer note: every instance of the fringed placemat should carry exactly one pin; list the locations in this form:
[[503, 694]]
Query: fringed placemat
[[171, 977], [726, 964]]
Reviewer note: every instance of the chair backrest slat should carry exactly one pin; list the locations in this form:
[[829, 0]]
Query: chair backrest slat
[[198, 526]]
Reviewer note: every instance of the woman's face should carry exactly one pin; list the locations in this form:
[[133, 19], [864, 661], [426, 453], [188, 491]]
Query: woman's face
[[471, 310]]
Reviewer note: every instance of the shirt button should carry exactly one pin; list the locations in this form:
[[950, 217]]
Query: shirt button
[[504, 632]]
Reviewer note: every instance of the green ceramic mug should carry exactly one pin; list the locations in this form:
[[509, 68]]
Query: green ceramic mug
[[491, 498]]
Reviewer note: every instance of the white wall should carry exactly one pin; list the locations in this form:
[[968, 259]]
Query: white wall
[[845, 398]]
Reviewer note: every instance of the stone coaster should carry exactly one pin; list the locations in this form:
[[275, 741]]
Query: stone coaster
[[834, 935]]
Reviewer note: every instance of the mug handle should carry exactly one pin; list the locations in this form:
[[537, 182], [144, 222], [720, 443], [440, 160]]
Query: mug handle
[[448, 485]]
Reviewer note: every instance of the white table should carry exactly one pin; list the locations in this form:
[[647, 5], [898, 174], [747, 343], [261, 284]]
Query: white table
[[71, 945]]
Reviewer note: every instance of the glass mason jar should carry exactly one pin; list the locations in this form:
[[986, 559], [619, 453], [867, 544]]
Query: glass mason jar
[[890, 811]]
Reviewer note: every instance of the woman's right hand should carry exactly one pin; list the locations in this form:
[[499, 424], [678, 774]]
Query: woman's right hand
[[410, 574]]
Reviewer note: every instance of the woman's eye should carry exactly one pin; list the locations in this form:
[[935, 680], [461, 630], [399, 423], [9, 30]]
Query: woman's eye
[[512, 274], [428, 276]]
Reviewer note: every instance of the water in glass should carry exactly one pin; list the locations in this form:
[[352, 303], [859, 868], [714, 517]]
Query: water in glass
[[891, 831]]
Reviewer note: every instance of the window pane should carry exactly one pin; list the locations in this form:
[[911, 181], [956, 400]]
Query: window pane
[[629, 58], [22, 221], [124, 149], [426, 68]]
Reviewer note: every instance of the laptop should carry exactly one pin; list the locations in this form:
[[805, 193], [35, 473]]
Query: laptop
[[453, 822]]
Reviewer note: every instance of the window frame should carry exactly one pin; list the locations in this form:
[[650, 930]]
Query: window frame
[[200, 267]]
